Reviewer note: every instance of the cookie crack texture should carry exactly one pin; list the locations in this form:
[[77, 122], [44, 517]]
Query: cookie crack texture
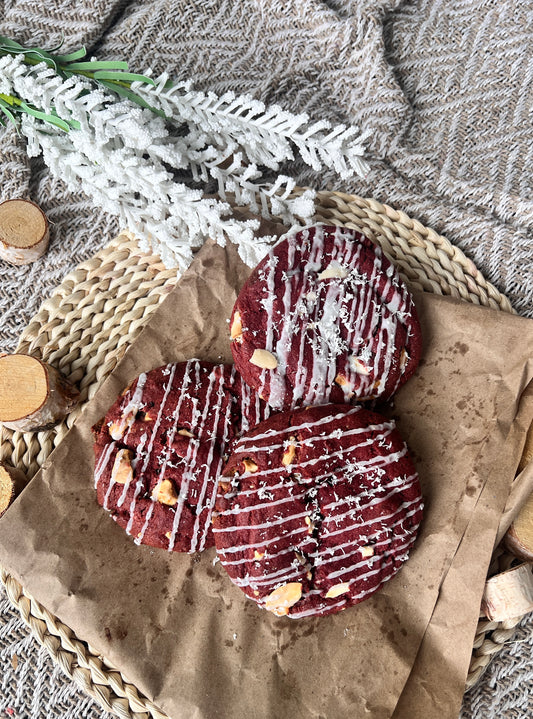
[[314, 522]]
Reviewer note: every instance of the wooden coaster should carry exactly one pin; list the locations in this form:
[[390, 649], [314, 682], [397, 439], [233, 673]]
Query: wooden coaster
[[33, 394], [24, 232]]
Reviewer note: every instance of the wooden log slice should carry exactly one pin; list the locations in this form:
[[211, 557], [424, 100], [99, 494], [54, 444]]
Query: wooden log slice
[[12, 482], [33, 394], [509, 595], [24, 232]]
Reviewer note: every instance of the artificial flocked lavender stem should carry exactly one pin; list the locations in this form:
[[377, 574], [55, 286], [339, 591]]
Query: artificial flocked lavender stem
[[268, 133], [124, 151]]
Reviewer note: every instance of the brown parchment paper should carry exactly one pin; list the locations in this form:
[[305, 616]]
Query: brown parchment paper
[[176, 626], [435, 687]]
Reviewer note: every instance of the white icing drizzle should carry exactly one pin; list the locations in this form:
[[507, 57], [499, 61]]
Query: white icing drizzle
[[246, 559], [263, 525], [268, 304], [265, 543], [329, 342], [392, 490], [263, 505], [216, 387], [312, 266], [244, 416], [277, 378], [331, 320], [102, 462], [198, 421], [139, 483], [280, 541], [362, 307], [384, 518], [246, 397], [136, 399], [357, 551], [176, 415], [293, 429], [289, 574], [384, 430], [140, 449], [208, 468], [252, 408], [336, 553], [297, 614], [359, 507], [348, 570], [360, 467]]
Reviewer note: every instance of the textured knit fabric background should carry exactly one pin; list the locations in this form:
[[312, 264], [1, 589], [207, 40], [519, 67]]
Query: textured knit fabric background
[[445, 87]]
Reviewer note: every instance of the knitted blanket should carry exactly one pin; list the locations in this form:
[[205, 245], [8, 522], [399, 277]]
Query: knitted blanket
[[445, 88]]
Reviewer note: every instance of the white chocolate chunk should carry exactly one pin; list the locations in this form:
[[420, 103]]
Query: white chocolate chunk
[[337, 590], [164, 493], [249, 465], [119, 428], [264, 359], [341, 380], [404, 359], [359, 366], [367, 551], [122, 472], [236, 327], [290, 453], [333, 270], [283, 597]]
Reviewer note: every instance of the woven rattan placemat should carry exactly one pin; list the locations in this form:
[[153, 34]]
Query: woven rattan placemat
[[100, 308]]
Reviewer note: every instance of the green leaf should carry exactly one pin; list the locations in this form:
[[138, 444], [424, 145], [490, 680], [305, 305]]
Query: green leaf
[[13, 48], [130, 95], [8, 43], [42, 55], [94, 65], [122, 76], [45, 117], [72, 56], [4, 109], [7, 98], [48, 56]]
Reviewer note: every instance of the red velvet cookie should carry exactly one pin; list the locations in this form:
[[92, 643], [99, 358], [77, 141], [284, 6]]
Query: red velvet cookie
[[324, 317], [161, 447], [319, 507]]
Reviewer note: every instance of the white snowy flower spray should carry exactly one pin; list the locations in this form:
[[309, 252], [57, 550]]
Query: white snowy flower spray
[[127, 141]]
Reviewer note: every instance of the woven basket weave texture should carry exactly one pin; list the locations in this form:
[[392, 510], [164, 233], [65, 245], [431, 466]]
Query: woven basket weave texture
[[100, 308]]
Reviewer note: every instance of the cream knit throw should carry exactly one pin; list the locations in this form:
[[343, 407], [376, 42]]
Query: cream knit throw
[[445, 87]]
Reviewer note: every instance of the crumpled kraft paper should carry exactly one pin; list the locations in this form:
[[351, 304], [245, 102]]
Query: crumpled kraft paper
[[182, 632], [435, 687]]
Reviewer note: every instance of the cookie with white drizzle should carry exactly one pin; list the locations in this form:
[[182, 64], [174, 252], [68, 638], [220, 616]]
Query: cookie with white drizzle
[[318, 507], [162, 445], [325, 317]]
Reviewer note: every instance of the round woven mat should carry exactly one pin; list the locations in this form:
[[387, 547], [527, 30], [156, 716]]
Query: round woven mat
[[96, 313]]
